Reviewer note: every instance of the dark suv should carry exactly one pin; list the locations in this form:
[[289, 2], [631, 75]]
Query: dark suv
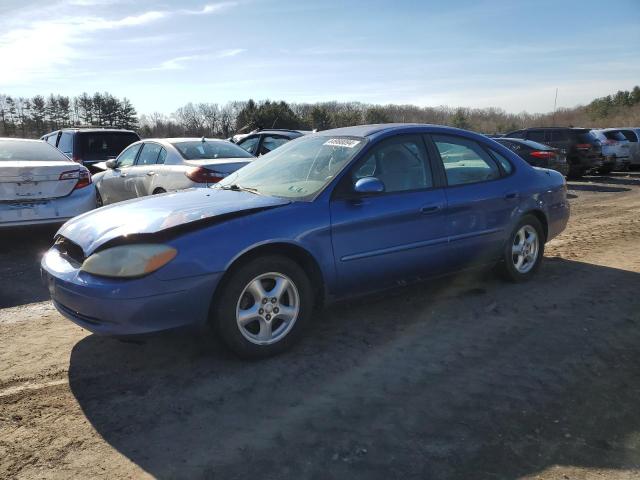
[[260, 142], [89, 146], [583, 150]]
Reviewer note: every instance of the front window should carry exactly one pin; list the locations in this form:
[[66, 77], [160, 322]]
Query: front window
[[210, 149], [299, 169]]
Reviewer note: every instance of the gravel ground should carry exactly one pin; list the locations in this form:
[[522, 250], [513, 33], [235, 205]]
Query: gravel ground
[[466, 377]]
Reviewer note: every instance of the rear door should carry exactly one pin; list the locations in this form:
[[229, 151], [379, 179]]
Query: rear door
[[114, 183], [382, 239], [480, 197]]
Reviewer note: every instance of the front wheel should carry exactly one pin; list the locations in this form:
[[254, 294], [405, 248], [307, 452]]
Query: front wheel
[[263, 306], [524, 250]]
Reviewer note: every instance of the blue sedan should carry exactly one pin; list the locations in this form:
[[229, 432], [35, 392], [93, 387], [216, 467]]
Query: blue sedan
[[327, 216]]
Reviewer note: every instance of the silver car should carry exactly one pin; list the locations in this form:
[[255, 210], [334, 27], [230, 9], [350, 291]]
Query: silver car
[[38, 184], [614, 146], [154, 166], [632, 134]]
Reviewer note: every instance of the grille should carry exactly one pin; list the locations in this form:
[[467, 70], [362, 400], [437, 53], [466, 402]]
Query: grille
[[71, 251]]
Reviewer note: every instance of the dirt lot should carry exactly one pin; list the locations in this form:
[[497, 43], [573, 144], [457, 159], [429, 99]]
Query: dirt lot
[[467, 378]]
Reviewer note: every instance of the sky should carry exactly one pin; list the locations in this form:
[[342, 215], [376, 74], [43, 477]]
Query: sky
[[508, 54]]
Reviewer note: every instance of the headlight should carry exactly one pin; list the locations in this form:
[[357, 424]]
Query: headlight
[[127, 261]]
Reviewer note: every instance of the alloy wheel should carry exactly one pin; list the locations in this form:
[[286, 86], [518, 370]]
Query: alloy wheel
[[268, 308], [525, 249]]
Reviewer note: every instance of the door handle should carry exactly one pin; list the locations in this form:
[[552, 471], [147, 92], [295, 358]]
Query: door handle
[[151, 173], [511, 195], [429, 209]]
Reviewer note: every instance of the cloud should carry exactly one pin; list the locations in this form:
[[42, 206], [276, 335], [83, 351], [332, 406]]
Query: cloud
[[210, 8], [178, 63], [231, 53], [37, 44]]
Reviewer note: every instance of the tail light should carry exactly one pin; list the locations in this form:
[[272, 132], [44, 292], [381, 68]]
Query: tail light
[[202, 175], [82, 176], [546, 155], [583, 146]]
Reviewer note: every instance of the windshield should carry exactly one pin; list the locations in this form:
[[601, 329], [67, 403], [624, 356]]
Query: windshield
[[104, 145], [299, 169], [199, 150], [29, 151]]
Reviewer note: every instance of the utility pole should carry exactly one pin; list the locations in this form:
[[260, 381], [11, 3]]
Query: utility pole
[[555, 104]]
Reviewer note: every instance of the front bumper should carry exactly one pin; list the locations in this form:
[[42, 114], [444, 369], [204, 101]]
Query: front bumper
[[56, 210], [126, 307]]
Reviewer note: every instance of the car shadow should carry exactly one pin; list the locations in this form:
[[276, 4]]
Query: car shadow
[[590, 187], [20, 252], [465, 377], [615, 178]]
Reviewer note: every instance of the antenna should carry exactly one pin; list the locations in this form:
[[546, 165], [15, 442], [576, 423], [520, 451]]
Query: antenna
[[555, 104]]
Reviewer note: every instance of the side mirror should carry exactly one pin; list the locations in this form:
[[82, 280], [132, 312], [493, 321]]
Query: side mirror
[[111, 163], [369, 185]]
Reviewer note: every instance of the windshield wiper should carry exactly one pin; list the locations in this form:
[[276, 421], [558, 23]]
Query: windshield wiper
[[239, 188]]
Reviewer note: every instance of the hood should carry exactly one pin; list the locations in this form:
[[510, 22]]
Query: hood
[[157, 213]]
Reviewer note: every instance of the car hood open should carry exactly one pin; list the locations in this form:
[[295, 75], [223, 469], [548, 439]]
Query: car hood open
[[161, 212]]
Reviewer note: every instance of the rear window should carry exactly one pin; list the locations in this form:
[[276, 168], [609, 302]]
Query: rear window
[[531, 144], [629, 135], [536, 135], [199, 150], [104, 145], [559, 135], [585, 136], [29, 151], [615, 135]]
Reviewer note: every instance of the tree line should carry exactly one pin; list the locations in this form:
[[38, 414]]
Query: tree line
[[35, 116], [31, 117]]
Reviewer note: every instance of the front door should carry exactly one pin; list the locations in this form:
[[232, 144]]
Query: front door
[[395, 236], [146, 168], [115, 184]]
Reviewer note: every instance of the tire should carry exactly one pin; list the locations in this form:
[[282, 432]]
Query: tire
[[514, 267], [266, 331], [157, 191], [605, 170]]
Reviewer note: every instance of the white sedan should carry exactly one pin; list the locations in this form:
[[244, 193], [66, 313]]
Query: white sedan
[[154, 166], [39, 184]]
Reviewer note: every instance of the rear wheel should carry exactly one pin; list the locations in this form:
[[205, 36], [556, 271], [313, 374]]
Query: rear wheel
[[159, 190], [605, 170], [524, 250], [263, 306]]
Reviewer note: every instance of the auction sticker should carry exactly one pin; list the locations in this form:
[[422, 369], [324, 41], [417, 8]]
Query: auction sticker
[[342, 142]]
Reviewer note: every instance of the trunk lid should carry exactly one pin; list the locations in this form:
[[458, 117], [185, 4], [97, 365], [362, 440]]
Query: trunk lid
[[35, 180], [225, 166]]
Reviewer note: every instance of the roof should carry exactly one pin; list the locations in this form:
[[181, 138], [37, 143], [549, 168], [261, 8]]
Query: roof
[[184, 139], [380, 128], [21, 139], [94, 129]]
